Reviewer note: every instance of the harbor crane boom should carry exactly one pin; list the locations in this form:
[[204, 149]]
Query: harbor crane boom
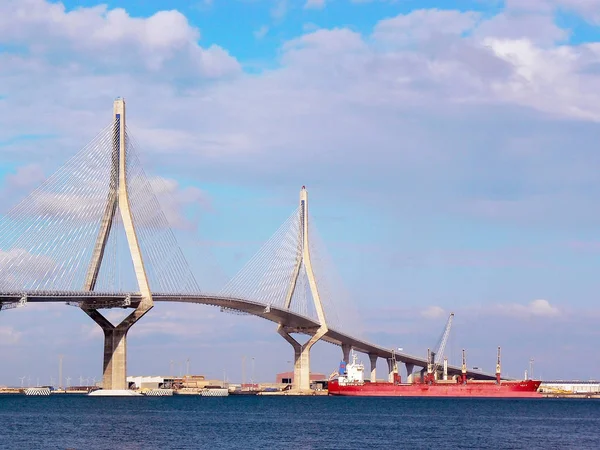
[[436, 357]]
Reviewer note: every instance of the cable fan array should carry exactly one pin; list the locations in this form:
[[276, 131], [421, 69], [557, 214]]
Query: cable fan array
[[166, 265], [47, 240], [269, 275], [339, 304]]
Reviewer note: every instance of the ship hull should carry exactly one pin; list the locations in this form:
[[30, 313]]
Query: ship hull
[[473, 389]]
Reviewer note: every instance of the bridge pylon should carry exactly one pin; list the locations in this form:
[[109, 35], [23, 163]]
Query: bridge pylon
[[115, 336], [302, 351]]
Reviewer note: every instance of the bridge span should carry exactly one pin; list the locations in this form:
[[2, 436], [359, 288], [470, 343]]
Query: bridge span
[[292, 321]]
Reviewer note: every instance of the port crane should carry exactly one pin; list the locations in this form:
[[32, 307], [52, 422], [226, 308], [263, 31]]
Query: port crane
[[435, 358]]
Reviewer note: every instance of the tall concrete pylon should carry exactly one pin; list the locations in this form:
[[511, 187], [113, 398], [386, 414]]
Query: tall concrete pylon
[[302, 351], [115, 337]]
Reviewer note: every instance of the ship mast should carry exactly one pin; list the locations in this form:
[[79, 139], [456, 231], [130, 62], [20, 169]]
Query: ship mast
[[394, 365], [498, 367], [430, 358], [464, 367]]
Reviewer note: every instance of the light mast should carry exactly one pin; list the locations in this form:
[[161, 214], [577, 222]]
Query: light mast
[[498, 367], [464, 367]]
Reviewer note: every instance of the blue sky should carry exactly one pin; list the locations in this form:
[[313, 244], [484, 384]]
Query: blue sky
[[449, 149]]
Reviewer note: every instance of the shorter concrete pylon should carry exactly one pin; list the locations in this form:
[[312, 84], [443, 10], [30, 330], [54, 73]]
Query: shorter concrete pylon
[[301, 380]]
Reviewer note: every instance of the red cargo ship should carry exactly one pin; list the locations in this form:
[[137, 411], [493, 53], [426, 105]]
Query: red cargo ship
[[351, 383]]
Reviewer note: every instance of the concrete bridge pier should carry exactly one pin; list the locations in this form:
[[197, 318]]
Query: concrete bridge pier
[[409, 372], [373, 359], [301, 357], [423, 372], [115, 346], [346, 348]]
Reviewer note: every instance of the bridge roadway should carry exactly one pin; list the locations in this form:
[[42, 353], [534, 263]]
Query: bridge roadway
[[293, 322]]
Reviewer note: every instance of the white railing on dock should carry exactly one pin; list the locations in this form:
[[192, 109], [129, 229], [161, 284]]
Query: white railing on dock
[[159, 393], [214, 392], [37, 391]]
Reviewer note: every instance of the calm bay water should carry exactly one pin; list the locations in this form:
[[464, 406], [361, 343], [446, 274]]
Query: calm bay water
[[193, 422]]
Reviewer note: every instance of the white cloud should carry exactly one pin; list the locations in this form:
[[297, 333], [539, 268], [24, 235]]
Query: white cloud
[[103, 37], [261, 32], [25, 178], [309, 27], [9, 336], [340, 102], [20, 268], [589, 10], [423, 24], [538, 28], [536, 308], [542, 307], [335, 42], [91, 331], [279, 9], [175, 200], [433, 312], [315, 4]]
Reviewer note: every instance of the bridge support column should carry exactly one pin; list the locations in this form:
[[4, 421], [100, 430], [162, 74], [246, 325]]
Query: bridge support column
[[114, 375], [409, 372], [423, 372], [302, 357], [373, 359], [346, 348]]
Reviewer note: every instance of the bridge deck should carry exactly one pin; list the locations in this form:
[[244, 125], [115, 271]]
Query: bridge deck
[[294, 322]]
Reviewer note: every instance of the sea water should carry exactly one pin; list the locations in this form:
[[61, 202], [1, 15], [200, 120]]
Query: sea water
[[285, 422]]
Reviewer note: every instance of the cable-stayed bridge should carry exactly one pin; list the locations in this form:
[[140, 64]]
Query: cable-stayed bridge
[[94, 235]]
